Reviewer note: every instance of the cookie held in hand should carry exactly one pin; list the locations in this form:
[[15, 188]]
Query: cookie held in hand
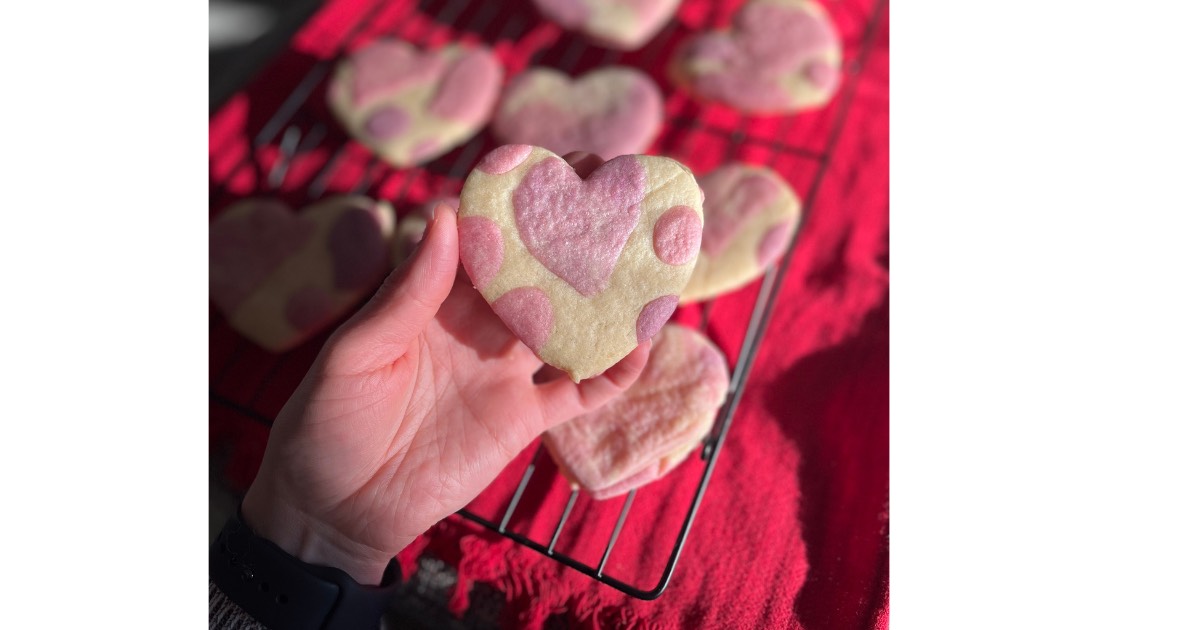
[[610, 111], [646, 431], [780, 56], [581, 270], [280, 277], [750, 215], [410, 106], [618, 24]]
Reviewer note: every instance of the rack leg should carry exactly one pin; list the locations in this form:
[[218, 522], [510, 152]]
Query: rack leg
[[562, 520], [612, 540], [512, 504]]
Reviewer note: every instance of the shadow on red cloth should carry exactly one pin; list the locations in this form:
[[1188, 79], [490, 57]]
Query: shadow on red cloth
[[835, 403]]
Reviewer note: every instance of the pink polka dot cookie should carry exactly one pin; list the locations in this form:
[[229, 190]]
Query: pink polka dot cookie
[[750, 215], [780, 56], [609, 111], [581, 270], [619, 24], [645, 432], [411, 228], [280, 277], [411, 106]]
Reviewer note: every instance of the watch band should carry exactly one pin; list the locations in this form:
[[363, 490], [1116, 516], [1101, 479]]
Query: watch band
[[282, 592]]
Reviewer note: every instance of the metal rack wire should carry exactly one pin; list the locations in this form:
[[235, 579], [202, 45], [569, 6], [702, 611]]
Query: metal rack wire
[[299, 131]]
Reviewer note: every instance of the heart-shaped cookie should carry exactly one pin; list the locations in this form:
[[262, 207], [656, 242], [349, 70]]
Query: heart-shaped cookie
[[280, 277], [411, 106], [750, 215], [581, 270], [619, 24], [780, 56], [646, 431], [609, 111]]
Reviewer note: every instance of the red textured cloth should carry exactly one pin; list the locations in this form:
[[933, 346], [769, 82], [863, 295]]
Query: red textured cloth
[[793, 529]]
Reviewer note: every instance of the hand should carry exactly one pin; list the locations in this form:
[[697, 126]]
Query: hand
[[412, 407]]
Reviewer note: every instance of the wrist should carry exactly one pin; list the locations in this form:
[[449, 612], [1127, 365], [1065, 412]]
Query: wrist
[[280, 591], [310, 539]]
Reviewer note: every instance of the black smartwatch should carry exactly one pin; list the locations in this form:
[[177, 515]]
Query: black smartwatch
[[281, 592]]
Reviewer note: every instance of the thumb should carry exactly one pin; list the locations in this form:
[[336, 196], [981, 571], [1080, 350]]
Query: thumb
[[382, 330], [563, 400]]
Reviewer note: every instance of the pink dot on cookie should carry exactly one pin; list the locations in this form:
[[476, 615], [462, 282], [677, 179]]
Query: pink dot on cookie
[[528, 314], [385, 123], [504, 159], [677, 235], [482, 249], [654, 315]]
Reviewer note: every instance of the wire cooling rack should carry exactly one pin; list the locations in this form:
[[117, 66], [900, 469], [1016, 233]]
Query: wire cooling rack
[[250, 384]]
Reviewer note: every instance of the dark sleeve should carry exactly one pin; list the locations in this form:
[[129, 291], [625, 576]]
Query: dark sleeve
[[223, 614], [241, 565]]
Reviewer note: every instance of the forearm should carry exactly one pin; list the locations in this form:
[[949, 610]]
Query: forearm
[[311, 540]]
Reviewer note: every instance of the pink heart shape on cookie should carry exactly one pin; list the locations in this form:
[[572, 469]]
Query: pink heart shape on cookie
[[411, 106], [619, 24], [580, 247], [780, 56], [279, 277], [384, 67], [645, 432], [609, 111], [581, 270], [750, 214]]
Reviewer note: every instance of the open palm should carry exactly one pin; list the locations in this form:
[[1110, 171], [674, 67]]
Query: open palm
[[410, 410]]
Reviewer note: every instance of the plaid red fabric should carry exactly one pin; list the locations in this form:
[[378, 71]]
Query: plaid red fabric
[[793, 529]]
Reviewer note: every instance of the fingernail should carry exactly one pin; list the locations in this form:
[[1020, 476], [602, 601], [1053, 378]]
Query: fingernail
[[433, 221]]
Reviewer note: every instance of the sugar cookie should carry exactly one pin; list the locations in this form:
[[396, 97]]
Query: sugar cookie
[[411, 106], [579, 270], [780, 56], [610, 111], [281, 276], [619, 24], [646, 431], [750, 215]]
